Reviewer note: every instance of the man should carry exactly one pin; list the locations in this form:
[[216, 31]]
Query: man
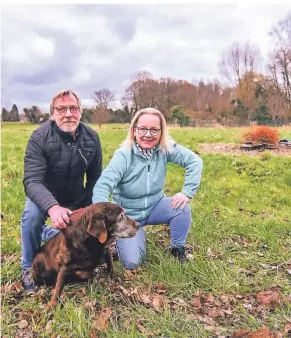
[[59, 155]]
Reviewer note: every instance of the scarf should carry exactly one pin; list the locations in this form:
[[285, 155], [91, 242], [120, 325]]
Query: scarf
[[146, 153]]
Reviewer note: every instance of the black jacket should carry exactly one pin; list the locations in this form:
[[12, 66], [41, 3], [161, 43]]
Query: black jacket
[[55, 165]]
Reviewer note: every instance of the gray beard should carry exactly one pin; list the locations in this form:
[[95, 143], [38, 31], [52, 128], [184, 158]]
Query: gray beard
[[68, 129]]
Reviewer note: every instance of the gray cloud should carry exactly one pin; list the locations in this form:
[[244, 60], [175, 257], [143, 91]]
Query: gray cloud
[[88, 47]]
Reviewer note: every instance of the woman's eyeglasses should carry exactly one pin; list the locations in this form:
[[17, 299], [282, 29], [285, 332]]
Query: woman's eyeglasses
[[143, 131]]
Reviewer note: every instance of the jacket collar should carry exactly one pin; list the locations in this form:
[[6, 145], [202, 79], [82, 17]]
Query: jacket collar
[[137, 152]]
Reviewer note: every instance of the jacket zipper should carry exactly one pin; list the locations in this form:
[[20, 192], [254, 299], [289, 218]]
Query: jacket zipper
[[79, 150], [72, 145], [148, 187]]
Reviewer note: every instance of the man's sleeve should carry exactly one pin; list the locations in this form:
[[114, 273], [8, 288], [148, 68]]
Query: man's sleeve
[[35, 168]]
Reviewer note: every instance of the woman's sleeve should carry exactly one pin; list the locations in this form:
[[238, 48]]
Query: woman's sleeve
[[193, 167], [110, 177]]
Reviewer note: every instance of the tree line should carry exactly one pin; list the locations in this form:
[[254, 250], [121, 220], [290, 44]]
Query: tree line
[[243, 95]]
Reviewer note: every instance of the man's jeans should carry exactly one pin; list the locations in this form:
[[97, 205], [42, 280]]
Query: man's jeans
[[133, 250], [33, 230]]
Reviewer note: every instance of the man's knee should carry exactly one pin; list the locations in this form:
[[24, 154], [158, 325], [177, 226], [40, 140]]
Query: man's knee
[[32, 215]]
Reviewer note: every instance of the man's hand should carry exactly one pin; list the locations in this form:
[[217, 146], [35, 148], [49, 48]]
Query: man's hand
[[179, 200], [59, 216]]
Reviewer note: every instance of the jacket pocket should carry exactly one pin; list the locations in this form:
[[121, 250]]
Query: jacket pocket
[[86, 154]]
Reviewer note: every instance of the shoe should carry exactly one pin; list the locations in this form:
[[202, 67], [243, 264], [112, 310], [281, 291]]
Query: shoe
[[179, 252], [27, 282]]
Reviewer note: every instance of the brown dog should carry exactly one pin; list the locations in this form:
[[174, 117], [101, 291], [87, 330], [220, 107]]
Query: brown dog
[[74, 253]]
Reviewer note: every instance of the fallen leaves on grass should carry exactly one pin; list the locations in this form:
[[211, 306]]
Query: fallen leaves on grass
[[269, 297], [143, 330], [23, 324], [261, 333], [101, 322]]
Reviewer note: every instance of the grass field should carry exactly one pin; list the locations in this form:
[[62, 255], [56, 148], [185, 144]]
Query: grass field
[[240, 239]]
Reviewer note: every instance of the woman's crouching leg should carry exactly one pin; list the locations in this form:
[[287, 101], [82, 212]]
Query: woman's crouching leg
[[132, 251]]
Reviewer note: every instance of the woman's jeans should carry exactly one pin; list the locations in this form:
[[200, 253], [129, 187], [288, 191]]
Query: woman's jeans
[[133, 250], [33, 231]]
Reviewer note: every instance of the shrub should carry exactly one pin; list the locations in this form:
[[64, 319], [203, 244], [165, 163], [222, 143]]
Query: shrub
[[261, 134]]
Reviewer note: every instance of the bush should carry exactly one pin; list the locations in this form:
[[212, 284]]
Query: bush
[[261, 134]]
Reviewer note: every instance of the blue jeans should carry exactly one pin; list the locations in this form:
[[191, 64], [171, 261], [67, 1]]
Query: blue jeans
[[132, 251], [33, 231]]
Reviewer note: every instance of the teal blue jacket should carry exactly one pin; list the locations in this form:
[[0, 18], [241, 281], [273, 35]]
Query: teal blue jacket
[[137, 184]]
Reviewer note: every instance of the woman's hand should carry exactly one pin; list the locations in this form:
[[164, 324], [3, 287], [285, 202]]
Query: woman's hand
[[179, 200]]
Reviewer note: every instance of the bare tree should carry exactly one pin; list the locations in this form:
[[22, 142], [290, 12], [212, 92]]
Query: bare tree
[[238, 60], [139, 94], [280, 58], [103, 98], [100, 115]]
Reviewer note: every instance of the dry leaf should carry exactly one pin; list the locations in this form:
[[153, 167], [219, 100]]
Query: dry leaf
[[93, 335], [23, 324], [228, 312], [160, 288], [91, 304], [128, 275], [268, 297], [49, 325], [145, 298], [157, 301], [209, 253], [196, 302], [209, 298], [101, 323], [179, 302], [244, 333], [261, 333], [143, 330], [126, 292], [230, 260], [17, 286], [215, 312]]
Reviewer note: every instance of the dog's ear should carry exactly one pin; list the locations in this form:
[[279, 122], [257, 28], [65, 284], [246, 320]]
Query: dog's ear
[[97, 229]]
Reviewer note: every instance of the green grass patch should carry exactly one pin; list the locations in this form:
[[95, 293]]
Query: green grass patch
[[241, 232]]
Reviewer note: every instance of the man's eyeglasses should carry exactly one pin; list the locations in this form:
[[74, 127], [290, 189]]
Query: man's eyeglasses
[[63, 110], [143, 131]]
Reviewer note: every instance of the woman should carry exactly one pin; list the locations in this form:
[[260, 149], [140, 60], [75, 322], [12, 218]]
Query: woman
[[136, 177]]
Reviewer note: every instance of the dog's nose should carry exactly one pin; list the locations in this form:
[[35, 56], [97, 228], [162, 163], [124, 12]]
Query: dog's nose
[[137, 224]]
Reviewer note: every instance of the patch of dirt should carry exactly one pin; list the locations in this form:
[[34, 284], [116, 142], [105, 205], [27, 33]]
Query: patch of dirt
[[234, 149]]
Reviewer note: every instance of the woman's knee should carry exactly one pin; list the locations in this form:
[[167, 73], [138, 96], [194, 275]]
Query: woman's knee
[[132, 259]]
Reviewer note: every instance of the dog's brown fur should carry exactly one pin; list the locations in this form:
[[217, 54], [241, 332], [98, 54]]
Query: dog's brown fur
[[74, 253]]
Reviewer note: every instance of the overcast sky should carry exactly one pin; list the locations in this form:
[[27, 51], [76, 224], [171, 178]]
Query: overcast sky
[[46, 48]]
